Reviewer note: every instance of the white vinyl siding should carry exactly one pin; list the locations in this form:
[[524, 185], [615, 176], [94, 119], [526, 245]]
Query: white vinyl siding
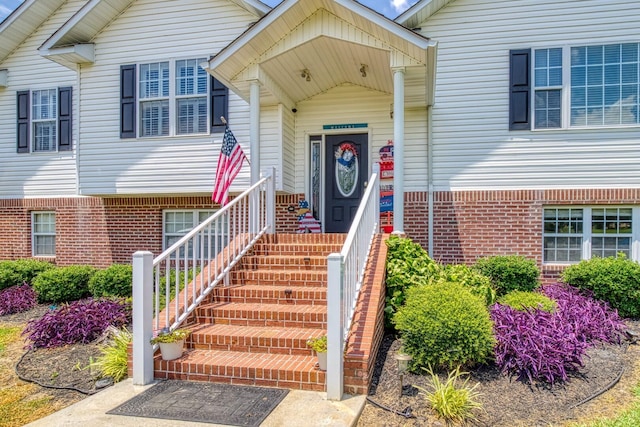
[[157, 165], [472, 146], [43, 233], [50, 173]]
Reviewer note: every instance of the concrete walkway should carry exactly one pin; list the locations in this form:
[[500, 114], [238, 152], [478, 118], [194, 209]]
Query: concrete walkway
[[299, 408]]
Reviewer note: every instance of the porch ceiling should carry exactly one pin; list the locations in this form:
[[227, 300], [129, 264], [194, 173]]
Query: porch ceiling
[[337, 42], [330, 63]]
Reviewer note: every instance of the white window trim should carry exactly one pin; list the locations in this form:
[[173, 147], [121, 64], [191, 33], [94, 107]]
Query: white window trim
[[34, 234], [587, 213], [172, 99], [195, 222], [565, 108]]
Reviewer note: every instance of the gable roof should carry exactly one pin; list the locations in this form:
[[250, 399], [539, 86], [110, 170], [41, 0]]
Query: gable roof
[[95, 15], [287, 43], [22, 22], [420, 12]]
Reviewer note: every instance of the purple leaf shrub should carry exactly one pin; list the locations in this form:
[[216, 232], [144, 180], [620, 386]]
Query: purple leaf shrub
[[542, 346], [17, 299], [78, 322], [592, 320]]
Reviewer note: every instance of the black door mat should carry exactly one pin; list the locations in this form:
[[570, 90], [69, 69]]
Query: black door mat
[[226, 404]]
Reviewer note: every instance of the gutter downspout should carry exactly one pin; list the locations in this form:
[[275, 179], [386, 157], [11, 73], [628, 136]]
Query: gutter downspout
[[430, 179], [76, 125]]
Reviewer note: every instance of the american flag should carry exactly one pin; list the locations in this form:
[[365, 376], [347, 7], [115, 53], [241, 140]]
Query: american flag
[[229, 164]]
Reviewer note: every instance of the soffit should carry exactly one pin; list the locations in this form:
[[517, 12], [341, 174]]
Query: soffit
[[20, 24]]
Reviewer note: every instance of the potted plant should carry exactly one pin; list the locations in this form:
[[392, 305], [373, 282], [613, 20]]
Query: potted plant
[[319, 345], [171, 342]]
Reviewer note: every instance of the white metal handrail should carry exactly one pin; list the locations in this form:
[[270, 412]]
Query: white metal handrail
[[345, 271], [183, 275]]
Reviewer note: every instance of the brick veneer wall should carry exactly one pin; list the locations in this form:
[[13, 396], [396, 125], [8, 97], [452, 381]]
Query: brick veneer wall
[[472, 224], [467, 224], [102, 231]]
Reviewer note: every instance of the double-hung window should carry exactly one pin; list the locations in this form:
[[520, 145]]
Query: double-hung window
[[43, 233], [571, 234], [576, 87], [170, 98], [44, 120], [177, 223]]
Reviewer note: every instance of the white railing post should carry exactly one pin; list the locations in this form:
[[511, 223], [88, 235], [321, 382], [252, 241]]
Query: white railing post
[[271, 203], [142, 317], [335, 337]]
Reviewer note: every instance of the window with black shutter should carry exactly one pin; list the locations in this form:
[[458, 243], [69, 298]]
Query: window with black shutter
[[520, 89], [44, 120], [169, 98]]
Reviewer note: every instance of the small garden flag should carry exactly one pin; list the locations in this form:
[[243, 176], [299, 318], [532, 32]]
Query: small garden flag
[[229, 164]]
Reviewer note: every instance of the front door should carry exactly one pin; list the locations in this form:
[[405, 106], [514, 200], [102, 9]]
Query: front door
[[345, 177]]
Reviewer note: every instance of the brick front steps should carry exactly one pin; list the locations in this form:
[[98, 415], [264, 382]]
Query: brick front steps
[[254, 331]]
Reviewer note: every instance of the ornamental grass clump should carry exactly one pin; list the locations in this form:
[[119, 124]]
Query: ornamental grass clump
[[450, 400], [444, 325], [536, 345], [17, 299], [112, 361], [78, 322]]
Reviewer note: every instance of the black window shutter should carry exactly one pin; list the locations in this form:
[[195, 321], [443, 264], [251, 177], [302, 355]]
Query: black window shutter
[[65, 126], [520, 89], [128, 101], [23, 121], [219, 105]]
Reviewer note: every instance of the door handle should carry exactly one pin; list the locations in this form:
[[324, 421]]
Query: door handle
[[366, 183]]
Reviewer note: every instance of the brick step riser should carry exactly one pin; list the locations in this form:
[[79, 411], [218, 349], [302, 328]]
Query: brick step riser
[[294, 250], [290, 279], [319, 301], [248, 344], [280, 319], [283, 262], [296, 296], [296, 380]]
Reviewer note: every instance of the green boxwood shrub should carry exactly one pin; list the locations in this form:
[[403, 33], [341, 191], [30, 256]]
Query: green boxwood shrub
[[14, 273], [445, 325], [614, 280], [116, 280], [478, 283], [63, 284], [408, 264], [523, 300], [509, 273]]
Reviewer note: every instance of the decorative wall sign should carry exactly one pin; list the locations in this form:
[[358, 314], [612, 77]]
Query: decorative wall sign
[[346, 126], [346, 168]]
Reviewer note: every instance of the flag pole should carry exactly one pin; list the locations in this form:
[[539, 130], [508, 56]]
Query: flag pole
[[224, 122]]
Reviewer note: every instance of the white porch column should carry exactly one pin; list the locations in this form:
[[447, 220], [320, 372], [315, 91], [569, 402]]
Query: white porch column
[[398, 150], [142, 317], [254, 145]]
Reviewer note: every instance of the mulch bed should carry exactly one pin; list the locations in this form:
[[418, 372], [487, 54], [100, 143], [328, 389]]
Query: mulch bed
[[507, 401]]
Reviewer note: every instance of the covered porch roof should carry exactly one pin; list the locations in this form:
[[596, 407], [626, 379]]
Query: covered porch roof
[[305, 47]]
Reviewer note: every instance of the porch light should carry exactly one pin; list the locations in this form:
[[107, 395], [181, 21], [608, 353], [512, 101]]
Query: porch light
[[363, 70], [305, 74]]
